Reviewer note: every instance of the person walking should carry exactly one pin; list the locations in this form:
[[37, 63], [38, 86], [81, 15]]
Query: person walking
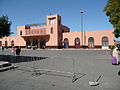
[[115, 54]]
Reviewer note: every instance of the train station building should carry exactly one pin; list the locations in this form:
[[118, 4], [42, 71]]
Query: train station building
[[52, 34]]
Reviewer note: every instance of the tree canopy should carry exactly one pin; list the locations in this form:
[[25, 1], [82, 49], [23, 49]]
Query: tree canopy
[[4, 26], [112, 9]]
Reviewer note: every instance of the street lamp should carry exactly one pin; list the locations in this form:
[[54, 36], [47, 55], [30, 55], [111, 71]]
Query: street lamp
[[82, 38]]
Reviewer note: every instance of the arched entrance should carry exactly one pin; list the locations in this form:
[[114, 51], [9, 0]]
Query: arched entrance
[[6, 44], [105, 43], [28, 43], [91, 42], [35, 43], [66, 43], [77, 43], [42, 43], [12, 43]]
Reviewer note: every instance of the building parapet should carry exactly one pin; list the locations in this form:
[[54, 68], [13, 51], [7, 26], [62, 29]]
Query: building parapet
[[36, 25]]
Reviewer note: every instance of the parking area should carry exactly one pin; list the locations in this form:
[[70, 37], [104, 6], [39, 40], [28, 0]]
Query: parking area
[[90, 63]]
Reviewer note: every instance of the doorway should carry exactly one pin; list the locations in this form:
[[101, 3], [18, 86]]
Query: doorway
[[43, 43], [66, 43], [91, 42], [77, 43]]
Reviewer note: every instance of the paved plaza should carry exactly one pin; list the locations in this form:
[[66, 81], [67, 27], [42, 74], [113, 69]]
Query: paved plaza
[[89, 63]]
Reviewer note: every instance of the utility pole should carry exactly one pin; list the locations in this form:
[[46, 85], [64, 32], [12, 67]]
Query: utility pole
[[82, 32]]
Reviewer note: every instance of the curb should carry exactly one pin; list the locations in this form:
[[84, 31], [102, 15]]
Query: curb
[[68, 49]]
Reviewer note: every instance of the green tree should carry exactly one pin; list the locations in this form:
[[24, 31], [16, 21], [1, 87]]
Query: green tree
[[112, 9], [4, 26]]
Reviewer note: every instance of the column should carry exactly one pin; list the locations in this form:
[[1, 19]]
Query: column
[[31, 40], [38, 43]]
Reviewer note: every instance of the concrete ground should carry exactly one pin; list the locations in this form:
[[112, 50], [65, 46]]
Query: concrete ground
[[92, 63]]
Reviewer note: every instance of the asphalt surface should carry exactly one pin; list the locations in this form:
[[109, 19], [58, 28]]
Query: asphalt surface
[[89, 63]]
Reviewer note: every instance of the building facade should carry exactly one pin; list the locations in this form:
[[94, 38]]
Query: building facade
[[91, 39], [53, 34]]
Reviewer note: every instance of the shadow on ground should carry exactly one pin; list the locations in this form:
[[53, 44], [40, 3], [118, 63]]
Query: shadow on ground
[[15, 59], [119, 73]]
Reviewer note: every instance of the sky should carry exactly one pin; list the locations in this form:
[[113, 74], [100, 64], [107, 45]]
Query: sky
[[23, 12]]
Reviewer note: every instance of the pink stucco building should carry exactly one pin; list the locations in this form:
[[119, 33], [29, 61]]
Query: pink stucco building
[[53, 34]]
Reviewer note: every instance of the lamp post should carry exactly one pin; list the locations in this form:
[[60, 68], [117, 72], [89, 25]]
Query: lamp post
[[82, 32]]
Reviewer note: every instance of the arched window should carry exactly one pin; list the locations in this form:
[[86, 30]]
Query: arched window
[[91, 42], [77, 42], [105, 41], [51, 30], [66, 43], [12, 43], [20, 32]]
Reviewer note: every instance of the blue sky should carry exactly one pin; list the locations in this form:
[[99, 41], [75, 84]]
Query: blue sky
[[22, 12]]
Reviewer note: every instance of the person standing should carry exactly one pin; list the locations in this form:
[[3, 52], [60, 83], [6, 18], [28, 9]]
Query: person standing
[[18, 51], [13, 50], [2, 48]]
